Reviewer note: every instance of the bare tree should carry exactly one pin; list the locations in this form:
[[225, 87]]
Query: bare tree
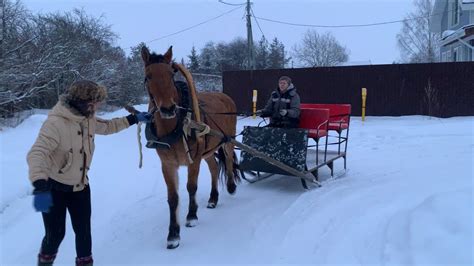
[[431, 99], [320, 50], [43, 54], [416, 42]]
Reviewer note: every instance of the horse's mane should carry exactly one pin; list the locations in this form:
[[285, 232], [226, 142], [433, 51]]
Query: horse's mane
[[156, 58]]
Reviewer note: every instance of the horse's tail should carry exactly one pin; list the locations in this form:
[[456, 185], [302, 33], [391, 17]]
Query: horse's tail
[[230, 176]]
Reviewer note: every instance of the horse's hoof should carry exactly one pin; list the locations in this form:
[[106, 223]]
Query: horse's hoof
[[172, 244], [231, 189], [211, 205], [191, 223]]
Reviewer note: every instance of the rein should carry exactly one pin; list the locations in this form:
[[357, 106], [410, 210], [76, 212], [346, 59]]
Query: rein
[[246, 114]]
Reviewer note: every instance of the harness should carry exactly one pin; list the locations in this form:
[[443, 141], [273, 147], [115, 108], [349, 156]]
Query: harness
[[165, 142]]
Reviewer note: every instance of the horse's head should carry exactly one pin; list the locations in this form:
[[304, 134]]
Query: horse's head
[[159, 81]]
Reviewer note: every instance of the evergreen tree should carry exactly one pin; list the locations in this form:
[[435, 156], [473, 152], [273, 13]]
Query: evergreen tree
[[193, 61], [277, 55], [262, 54]]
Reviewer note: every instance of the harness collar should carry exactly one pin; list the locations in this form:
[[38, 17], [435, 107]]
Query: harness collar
[[165, 142]]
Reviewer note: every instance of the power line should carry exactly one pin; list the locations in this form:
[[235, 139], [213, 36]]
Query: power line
[[231, 4], [258, 24], [349, 25], [196, 25]]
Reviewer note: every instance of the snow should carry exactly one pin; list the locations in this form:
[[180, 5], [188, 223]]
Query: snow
[[405, 200], [447, 33]]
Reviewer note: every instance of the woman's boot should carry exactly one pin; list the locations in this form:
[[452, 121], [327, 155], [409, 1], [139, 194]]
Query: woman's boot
[[85, 261], [46, 260]]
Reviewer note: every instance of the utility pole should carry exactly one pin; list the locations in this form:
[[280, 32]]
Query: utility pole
[[251, 53]]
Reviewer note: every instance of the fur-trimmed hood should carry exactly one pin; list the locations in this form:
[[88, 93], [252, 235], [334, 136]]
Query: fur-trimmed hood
[[86, 90], [64, 109]]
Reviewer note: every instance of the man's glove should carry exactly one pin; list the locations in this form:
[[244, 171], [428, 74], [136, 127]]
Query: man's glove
[[42, 199], [283, 112], [144, 117], [262, 113]]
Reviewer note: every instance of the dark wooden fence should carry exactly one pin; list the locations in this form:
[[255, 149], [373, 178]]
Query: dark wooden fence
[[438, 89]]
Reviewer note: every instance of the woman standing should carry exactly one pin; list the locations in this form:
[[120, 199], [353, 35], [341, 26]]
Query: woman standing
[[58, 164]]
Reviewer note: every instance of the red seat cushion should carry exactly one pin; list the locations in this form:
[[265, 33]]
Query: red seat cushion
[[314, 134], [338, 126], [337, 113], [311, 119]]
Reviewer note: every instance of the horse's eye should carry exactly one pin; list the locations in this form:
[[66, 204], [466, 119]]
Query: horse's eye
[[148, 76]]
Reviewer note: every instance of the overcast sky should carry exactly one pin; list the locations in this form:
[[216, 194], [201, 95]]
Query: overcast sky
[[138, 21]]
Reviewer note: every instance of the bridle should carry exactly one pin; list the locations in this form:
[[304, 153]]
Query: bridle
[[182, 111], [181, 106]]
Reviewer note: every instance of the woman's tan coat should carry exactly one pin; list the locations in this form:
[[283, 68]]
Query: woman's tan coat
[[65, 145]]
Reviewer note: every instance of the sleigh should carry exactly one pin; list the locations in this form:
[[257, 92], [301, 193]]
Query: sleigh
[[295, 152], [304, 149]]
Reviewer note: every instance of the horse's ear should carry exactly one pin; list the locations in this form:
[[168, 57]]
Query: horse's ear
[[169, 55], [145, 54]]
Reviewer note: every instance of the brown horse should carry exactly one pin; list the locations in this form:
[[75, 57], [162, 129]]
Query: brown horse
[[170, 106]]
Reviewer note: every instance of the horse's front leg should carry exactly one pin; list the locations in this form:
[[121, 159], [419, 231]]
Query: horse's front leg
[[170, 173], [193, 173]]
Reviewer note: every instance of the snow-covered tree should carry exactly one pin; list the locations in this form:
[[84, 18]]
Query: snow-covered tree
[[43, 54], [208, 58]]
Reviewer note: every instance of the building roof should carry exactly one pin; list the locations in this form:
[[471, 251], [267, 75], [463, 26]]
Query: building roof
[[450, 36], [467, 5]]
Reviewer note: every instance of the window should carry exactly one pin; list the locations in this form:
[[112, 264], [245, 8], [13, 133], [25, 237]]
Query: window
[[471, 51], [443, 57], [448, 56], [454, 12], [457, 54]]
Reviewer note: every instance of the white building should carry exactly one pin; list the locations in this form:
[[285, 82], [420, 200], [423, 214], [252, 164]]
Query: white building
[[455, 20]]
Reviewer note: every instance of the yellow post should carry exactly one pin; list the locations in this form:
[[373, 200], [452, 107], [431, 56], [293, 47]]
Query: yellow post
[[254, 103], [364, 97]]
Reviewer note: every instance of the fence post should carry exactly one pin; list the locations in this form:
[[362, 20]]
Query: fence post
[[364, 97], [254, 104]]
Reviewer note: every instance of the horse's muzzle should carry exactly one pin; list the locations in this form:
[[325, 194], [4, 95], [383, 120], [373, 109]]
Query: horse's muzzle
[[168, 113]]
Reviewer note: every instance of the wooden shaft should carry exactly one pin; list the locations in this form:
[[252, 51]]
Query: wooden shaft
[[305, 175], [189, 79]]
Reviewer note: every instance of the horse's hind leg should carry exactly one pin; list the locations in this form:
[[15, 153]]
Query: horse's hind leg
[[193, 172], [170, 173], [231, 172], [214, 170]]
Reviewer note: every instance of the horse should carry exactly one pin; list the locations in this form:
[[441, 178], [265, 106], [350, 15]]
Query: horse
[[170, 105]]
